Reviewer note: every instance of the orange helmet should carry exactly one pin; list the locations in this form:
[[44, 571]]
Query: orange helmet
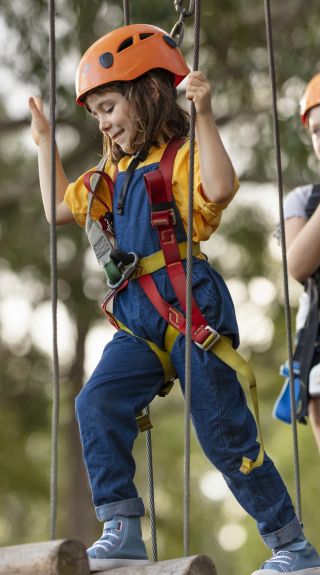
[[310, 98], [125, 54]]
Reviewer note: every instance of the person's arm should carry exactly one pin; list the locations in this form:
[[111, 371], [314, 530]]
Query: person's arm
[[40, 130], [217, 173], [303, 245]]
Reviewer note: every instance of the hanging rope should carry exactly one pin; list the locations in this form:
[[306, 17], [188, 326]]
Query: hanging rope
[[186, 530], [126, 20], [151, 493], [54, 290], [126, 17], [284, 256]]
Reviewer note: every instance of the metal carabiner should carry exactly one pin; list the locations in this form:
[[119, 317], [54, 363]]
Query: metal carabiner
[[178, 4], [177, 32]]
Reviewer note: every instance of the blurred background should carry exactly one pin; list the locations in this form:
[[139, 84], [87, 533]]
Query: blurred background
[[244, 250]]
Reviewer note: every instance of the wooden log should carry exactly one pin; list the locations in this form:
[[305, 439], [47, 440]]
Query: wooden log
[[62, 557], [195, 565]]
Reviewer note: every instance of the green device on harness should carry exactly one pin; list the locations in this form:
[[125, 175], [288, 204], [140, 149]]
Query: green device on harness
[[120, 268], [117, 264]]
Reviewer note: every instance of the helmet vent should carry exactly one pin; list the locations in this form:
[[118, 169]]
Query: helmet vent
[[146, 35], [125, 44]]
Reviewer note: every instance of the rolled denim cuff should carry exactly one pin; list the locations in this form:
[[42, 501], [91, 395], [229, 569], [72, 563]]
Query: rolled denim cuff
[[127, 508], [283, 536]]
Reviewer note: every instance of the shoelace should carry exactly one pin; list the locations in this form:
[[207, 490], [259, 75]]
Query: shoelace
[[110, 536], [281, 557]]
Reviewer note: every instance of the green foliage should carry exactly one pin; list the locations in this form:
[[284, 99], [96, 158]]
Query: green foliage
[[234, 56]]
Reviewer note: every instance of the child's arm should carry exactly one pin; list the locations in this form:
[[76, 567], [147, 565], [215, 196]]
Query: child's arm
[[217, 173], [40, 130], [303, 245]]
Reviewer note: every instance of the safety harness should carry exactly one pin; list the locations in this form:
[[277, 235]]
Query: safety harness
[[163, 218], [307, 348]]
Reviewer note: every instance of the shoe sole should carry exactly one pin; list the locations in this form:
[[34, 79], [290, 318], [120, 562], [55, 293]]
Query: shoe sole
[[310, 571], [105, 564]]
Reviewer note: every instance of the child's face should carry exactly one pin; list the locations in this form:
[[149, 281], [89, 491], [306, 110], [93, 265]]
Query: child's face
[[314, 129], [112, 114]]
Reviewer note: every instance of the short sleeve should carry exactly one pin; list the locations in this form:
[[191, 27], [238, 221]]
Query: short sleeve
[[207, 215], [296, 202], [294, 206]]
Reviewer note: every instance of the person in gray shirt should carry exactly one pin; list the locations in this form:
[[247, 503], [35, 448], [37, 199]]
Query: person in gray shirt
[[302, 231]]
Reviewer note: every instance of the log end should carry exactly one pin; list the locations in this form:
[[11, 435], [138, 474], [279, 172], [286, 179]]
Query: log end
[[59, 557], [71, 559]]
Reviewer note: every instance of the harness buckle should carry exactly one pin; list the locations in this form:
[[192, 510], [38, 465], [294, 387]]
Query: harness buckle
[[208, 340], [163, 218]]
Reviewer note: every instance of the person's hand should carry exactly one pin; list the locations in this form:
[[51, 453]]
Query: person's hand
[[40, 127], [199, 92]]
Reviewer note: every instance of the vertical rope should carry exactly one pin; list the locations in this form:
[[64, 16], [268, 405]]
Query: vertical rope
[[151, 493], [53, 262], [126, 20], [188, 364], [284, 256], [126, 17]]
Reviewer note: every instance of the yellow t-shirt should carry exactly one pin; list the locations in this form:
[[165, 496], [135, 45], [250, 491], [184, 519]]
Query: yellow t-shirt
[[206, 216]]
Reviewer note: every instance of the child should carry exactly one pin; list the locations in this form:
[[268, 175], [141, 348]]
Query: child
[[127, 81], [302, 220]]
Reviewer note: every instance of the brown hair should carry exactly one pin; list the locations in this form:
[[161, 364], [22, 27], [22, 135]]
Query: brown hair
[[157, 116]]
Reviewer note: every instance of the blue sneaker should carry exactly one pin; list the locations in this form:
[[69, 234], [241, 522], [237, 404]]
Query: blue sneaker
[[299, 558], [121, 544]]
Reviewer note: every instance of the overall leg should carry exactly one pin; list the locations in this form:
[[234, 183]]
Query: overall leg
[[126, 379], [226, 431]]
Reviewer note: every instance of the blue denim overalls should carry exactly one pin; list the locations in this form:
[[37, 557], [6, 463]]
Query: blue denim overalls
[[129, 375]]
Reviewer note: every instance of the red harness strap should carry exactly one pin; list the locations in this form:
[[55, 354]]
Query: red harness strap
[[159, 188], [87, 182], [105, 222]]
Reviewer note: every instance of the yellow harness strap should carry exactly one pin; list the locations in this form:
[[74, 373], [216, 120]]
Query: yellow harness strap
[[143, 419], [156, 261], [224, 351], [222, 348]]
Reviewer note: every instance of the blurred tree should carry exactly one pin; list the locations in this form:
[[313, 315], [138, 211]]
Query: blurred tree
[[233, 54]]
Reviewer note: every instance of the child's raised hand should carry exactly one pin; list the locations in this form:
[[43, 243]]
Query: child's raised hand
[[40, 127], [198, 90]]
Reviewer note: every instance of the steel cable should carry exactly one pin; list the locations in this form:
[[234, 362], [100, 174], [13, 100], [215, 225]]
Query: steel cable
[[126, 16], [54, 283], [189, 343], [283, 251], [126, 20], [151, 492]]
